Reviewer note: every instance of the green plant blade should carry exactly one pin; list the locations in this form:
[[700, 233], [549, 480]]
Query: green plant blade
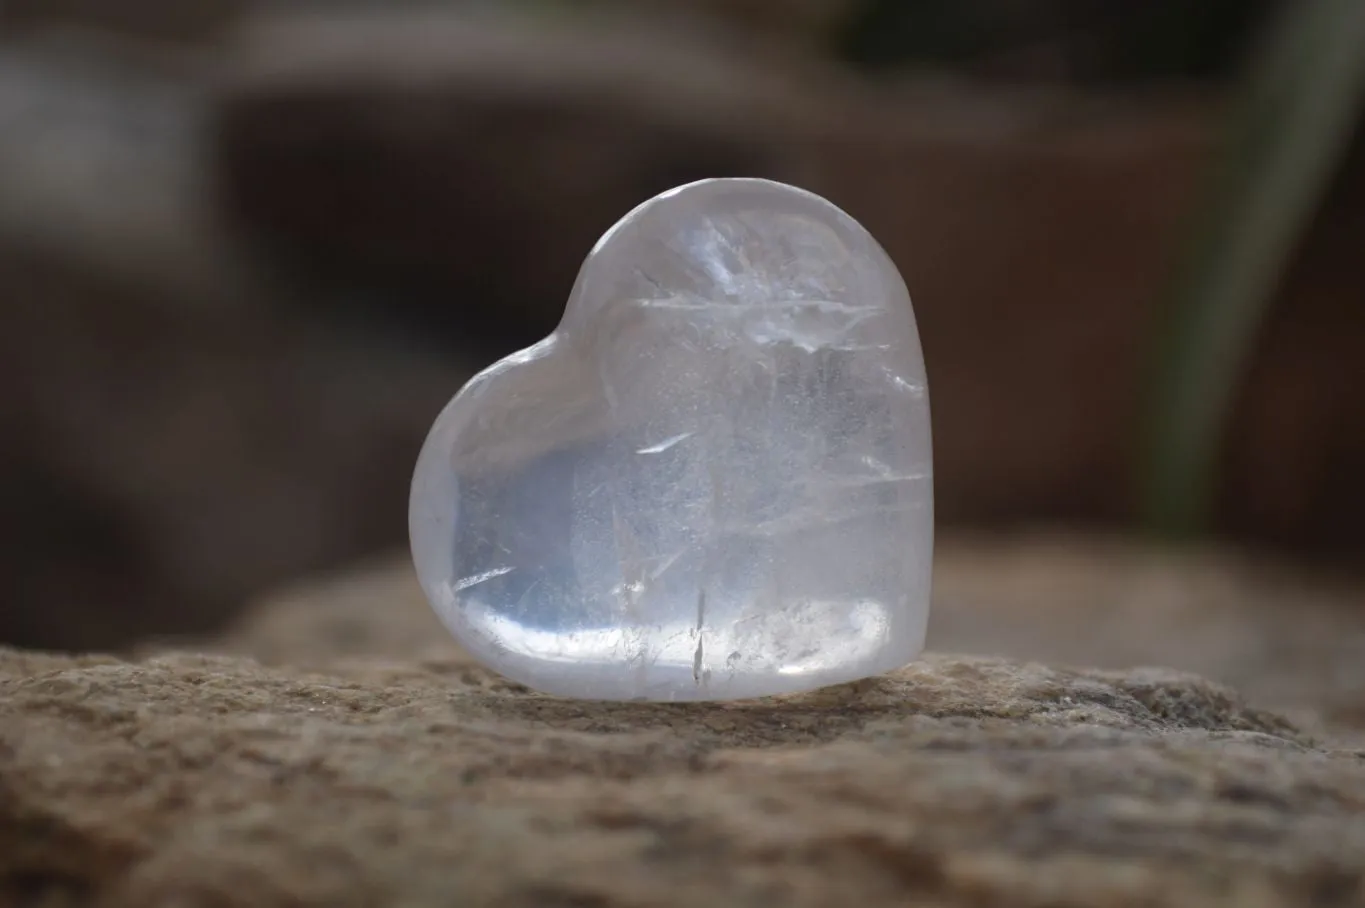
[[1302, 102]]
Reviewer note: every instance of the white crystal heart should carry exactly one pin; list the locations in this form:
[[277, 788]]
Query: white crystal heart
[[712, 481]]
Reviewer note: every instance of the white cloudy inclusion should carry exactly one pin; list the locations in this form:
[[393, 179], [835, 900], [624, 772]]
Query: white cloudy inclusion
[[712, 481]]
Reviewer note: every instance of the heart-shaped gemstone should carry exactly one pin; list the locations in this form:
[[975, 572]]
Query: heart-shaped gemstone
[[712, 481]]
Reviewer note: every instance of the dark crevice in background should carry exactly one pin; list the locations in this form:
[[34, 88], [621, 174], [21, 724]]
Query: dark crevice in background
[[1082, 41]]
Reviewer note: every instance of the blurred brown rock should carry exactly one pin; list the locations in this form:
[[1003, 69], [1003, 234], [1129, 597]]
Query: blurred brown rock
[[175, 434], [474, 160], [1034, 232], [1037, 232]]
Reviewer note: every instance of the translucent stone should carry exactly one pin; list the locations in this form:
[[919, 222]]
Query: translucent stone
[[712, 481]]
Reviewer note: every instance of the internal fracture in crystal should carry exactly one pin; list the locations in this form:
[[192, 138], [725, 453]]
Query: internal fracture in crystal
[[712, 481]]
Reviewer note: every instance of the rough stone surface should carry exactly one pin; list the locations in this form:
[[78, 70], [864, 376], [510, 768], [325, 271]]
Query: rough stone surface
[[201, 780], [1289, 639], [382, 767]]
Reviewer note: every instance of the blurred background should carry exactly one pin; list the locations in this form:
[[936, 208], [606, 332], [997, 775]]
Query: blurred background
[[249, 248]]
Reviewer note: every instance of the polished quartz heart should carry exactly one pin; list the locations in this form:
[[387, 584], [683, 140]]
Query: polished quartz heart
[[712, 481]]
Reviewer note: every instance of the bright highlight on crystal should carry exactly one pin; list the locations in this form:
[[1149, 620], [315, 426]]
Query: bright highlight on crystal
[[712, 481]]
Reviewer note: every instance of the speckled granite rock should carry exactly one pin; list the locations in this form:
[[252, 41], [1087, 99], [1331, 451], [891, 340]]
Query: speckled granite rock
[[383, 768]]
